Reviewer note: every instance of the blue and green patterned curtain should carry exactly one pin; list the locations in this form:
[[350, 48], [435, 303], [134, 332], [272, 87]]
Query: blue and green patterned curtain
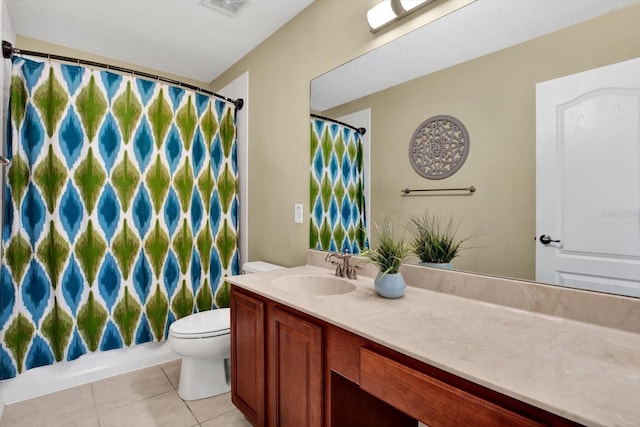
[[337, 189], [121, 211]]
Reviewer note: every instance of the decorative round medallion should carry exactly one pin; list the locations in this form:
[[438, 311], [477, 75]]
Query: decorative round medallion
[[439, 147]]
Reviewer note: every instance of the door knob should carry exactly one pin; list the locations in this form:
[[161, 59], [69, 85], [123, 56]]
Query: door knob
[[545, 240]]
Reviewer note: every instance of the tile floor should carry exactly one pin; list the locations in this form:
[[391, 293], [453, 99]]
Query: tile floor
[[144, 398]]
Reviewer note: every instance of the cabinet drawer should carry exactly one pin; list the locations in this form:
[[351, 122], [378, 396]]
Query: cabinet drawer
[[429, 400]]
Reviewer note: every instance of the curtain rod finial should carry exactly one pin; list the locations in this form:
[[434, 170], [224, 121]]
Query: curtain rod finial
[[7, 49], [239, 103]]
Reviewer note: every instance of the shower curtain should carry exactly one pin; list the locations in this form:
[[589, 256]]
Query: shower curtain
[[121, 211], [337, 220]]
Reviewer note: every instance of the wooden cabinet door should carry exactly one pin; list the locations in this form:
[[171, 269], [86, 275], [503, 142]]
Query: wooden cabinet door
[[247, 356], [294, 371]]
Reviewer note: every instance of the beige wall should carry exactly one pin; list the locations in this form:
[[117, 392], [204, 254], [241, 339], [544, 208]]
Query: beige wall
[[331, 32], [494, 96], [325, 35], [28, 43]]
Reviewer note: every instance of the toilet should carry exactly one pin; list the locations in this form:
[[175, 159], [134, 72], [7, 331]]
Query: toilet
[[259, 267], [203, 340]]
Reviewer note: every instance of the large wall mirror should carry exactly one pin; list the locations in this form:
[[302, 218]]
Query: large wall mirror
[[481, 64]]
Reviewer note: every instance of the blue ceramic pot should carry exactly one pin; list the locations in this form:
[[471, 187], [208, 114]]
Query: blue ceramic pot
[[390, 285]]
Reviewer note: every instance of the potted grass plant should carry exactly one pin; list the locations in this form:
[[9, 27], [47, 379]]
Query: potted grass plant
[[388, 256], [435, 243]]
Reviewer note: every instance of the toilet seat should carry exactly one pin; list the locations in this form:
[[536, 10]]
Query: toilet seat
[[205, 324]]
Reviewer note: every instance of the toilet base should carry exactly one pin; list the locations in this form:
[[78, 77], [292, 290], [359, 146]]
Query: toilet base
[[194, 385]]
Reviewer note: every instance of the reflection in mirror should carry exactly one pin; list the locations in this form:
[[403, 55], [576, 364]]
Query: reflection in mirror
[[337, 197], [481, 65]]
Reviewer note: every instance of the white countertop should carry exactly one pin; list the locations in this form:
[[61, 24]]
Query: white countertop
[[580, 371]]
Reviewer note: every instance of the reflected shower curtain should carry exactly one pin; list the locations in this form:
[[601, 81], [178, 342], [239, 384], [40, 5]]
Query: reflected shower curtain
[[121, 211], [337, 220]]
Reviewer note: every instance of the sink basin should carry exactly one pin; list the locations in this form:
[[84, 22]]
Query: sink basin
[[314, 285]]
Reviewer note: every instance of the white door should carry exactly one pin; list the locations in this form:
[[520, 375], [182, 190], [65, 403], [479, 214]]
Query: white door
[[588, 179]]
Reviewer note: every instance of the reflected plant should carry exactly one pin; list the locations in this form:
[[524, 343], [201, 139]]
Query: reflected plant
[[434, 242]]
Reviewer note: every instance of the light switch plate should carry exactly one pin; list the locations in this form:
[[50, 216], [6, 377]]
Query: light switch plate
[[297, 215]]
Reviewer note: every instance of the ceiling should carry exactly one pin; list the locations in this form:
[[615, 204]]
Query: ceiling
[[477, 29], [180, 37]]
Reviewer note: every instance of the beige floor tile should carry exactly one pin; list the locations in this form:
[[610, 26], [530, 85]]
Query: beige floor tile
[[205, 409], [66, 407], [128, 388], [165, 410], [233, 418], [86, 422], [172, 370]]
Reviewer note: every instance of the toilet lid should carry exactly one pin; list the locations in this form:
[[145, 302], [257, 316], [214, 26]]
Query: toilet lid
[[204, 323]]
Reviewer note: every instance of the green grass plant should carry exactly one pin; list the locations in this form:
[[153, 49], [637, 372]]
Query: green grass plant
[[433, 241], [390, 253]]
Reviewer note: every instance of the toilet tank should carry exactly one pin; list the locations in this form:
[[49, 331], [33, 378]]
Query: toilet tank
[[259, 267]]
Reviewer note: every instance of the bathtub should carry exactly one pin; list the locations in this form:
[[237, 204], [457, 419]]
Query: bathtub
[[87, 368]]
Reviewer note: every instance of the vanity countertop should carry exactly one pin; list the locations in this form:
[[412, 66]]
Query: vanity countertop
[[580, 371]]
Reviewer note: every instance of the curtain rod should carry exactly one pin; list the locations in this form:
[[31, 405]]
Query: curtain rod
[[8, 50], [361, 131]]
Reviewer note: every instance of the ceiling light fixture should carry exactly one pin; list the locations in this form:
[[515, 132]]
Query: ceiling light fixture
[[409, 5], [388, 11], [381, 15]]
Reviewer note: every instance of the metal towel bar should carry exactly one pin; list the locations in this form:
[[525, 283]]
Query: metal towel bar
[[471, 189]]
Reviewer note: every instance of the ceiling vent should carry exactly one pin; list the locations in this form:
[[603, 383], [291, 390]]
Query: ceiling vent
[[228, 7]]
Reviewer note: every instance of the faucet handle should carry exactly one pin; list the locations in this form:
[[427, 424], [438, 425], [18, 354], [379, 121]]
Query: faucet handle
[[329, 258], [351, 271]]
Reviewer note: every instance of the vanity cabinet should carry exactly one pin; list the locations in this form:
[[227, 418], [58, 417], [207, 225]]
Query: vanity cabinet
[[276, 364], [247, 356], [291, 369]]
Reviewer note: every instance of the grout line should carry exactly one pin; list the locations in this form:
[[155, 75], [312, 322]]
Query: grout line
[[183, 401], [167, 376], [95, 404], [219, 415], [142, 398], [190, 411]]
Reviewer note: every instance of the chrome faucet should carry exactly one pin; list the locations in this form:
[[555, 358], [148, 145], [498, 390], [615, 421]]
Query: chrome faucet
[[343, 266]]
